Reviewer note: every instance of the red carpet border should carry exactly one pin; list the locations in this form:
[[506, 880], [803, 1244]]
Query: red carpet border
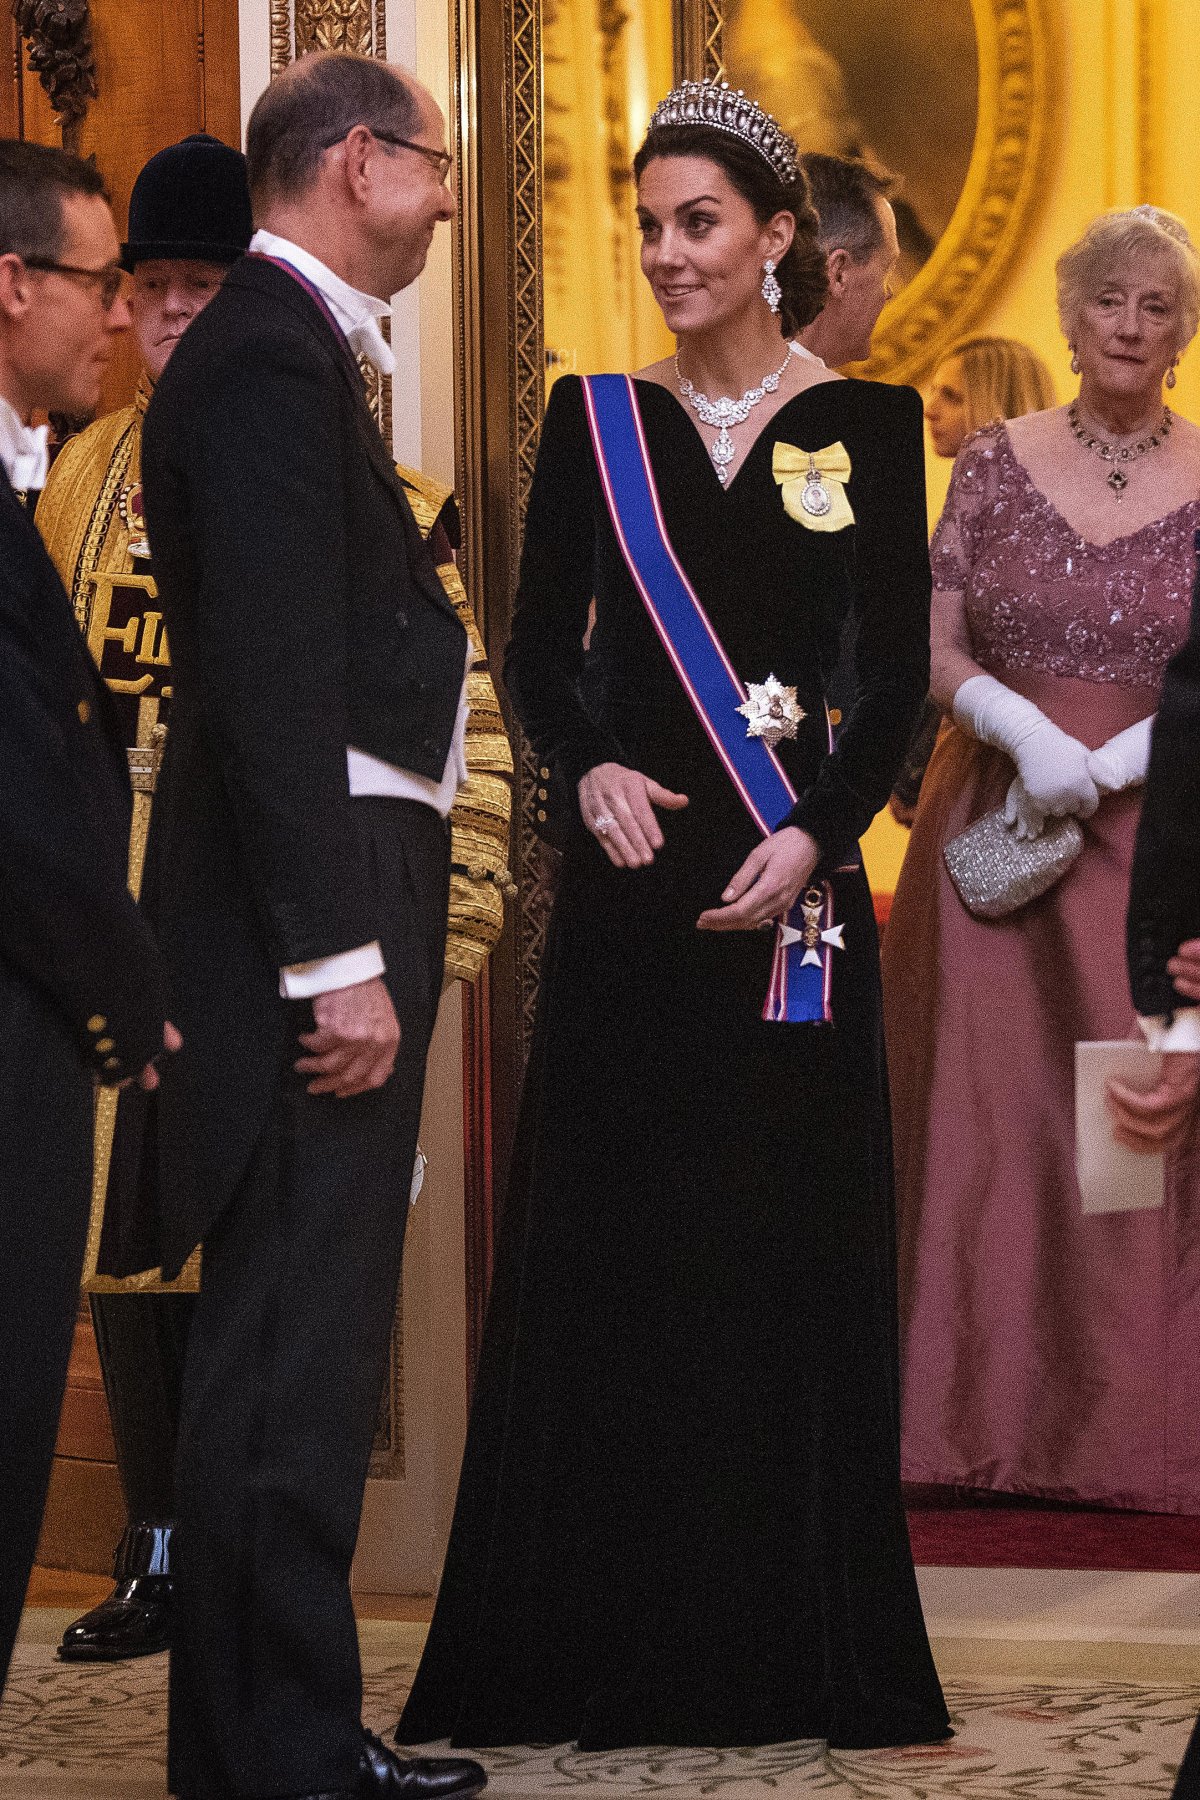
[[995, 1536]]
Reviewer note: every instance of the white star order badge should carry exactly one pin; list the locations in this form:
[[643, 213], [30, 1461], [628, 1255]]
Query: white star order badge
[[772, 710]]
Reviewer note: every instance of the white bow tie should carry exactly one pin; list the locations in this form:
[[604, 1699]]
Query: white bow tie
[[368, 340], [31, 462]]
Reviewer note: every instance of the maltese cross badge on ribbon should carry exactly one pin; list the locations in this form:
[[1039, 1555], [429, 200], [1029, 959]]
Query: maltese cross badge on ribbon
[[772, 710], [812, 935]]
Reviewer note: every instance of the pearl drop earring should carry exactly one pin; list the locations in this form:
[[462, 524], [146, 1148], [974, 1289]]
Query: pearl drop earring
[[772, 293]]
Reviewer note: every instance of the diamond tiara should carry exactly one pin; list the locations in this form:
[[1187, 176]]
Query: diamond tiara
[[716, 104]]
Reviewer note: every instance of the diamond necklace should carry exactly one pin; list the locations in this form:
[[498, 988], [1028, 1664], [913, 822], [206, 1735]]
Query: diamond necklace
[[726, 412], [1117, 479]]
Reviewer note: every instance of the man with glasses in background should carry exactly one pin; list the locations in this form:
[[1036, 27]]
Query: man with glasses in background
[[189, 221], [81, 985], [299, 857]]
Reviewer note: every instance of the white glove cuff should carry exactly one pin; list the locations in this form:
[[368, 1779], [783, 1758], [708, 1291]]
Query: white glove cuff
[[994, 714], [1123, 761]]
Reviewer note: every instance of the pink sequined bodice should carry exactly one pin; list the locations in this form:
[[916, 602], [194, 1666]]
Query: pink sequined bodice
[[1041, 598]]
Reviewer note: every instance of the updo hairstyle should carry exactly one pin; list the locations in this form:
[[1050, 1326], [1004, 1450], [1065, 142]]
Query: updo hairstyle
[[801, 274], [1123, 236]]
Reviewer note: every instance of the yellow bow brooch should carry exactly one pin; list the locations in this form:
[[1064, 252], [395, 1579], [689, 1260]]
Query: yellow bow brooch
[[814, 485]]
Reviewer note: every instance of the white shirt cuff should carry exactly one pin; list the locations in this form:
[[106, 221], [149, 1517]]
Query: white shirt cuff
[[1182, 1034], [300, 981]]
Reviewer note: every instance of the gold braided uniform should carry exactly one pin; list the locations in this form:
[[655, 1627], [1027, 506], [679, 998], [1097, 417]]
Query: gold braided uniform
[[481, 817], [90, 516]]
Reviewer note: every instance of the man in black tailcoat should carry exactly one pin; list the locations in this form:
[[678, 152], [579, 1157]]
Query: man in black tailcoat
[[81, 987], [297, 873], [1164, 948]]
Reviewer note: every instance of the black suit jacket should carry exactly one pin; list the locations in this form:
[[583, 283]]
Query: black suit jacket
[[1164, 903], [304, 614], [81, 996], [74, 950]]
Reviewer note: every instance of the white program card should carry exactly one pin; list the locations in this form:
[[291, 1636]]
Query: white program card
[[1111, 1178]]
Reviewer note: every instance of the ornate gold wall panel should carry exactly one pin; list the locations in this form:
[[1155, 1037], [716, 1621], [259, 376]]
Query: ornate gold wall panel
[[699, 26], [298, 26]]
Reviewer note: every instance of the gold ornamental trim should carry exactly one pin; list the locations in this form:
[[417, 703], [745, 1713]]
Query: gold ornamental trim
[[1015, 130], [699, 33], [299, 26]]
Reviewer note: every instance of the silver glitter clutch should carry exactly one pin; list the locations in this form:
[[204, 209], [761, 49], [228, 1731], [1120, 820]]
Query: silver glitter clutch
[[997, 872]]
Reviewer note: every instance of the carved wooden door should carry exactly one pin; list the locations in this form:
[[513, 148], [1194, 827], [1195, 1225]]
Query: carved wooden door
[[162, 69]]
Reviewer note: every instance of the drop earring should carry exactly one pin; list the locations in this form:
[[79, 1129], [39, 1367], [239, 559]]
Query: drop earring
[[772, 293], [1074, 361], [1171, 376]]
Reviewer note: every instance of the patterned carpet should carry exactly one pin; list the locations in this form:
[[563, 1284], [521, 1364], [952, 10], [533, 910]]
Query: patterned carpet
[[68, 1732]]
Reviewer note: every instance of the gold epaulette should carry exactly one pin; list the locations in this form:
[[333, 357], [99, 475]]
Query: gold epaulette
[[79, 514], [481, 818], [426, 497]]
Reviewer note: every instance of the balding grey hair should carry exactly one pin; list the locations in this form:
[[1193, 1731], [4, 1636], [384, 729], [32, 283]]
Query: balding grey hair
[[314, 105]]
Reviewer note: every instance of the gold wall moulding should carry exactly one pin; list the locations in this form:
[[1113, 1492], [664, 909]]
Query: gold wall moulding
[[299, 26], [699, 32]]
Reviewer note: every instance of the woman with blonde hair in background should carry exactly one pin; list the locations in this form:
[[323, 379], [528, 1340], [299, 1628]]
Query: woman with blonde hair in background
[[1045, 1353], [982, 379]]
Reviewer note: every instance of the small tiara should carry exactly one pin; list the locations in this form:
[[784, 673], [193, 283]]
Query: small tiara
[[1167, 222], [716, 104]]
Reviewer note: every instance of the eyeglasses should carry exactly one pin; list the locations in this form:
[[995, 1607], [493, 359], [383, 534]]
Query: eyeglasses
[[107, 280], [441, 160]]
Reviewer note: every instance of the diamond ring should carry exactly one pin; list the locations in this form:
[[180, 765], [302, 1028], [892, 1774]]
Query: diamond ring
[[603, 825]]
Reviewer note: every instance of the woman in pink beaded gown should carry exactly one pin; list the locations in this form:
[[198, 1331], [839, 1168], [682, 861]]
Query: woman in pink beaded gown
[[1045, 1353]]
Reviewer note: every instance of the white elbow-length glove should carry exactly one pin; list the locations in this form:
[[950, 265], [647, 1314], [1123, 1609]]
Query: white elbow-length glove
[[1123, 761], [1052, 767]]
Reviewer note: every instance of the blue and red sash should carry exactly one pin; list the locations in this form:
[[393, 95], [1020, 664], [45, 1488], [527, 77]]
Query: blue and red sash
[[802, 970]]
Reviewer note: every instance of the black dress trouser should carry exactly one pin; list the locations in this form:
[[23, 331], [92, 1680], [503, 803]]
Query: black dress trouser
[[46, 1113], [286, 1361], [1187, 1785], [142, 1339]]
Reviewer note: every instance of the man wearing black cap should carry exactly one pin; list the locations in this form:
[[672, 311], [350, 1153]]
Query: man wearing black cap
[[189, 220]]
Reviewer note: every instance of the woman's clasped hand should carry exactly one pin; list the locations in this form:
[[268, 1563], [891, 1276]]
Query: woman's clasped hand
[[617, 805], [767, 884]]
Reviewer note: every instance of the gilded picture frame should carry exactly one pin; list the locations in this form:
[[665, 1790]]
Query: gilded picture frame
[[1014, 131]]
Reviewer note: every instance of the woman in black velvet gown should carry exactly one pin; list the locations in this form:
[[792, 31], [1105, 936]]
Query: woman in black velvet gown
[[679, 1520]]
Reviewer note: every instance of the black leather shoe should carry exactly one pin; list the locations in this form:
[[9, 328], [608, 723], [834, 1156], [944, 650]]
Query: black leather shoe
[[416, 1777], [135, 1620]]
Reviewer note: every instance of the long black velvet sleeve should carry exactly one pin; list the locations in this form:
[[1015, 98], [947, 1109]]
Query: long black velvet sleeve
[[892, 590], [1164, 902], [544, 659]]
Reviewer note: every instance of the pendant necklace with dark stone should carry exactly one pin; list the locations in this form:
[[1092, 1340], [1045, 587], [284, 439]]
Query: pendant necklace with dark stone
[[1117, 454]]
